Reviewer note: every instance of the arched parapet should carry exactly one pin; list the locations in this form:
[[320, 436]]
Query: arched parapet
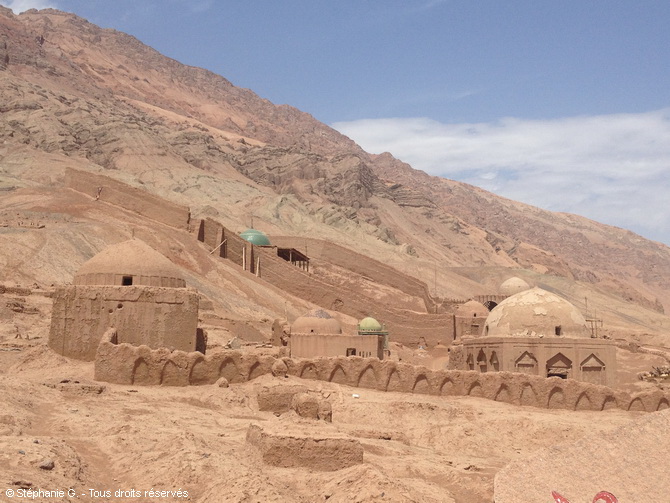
[[141, 365], [200, 372], [609, 402], [497, 386], [472, 385], [141, 373], [397, 376], [651, 400], [584, 401], [229, 364], [255, 366], [554, 396], [306, 369], [636, 405], [425, 381], [368, 372], [508, 388], [390, 377], [176, 369], [337, 371], [579, 395], [451, 382], [528, 396]]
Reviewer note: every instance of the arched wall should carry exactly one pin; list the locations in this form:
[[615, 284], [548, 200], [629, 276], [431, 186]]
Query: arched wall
[[118, 363]]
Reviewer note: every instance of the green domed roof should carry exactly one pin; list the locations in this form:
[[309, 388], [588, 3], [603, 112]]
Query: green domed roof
[[370, 325], [255, 237]]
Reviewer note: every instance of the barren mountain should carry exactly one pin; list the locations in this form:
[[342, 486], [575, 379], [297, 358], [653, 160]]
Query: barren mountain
[[384, 239], [76, 95]]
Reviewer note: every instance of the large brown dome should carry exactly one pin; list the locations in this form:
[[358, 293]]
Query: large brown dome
[[535, 313], [317, 322], [131, 262], [471, 309]]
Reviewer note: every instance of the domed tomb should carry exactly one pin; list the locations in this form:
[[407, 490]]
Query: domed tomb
[[369, 325], [256, 237], [471, 309], [318, 322], [469, 319], [133, 289], [535, 313], [513, 286], [131, 262]]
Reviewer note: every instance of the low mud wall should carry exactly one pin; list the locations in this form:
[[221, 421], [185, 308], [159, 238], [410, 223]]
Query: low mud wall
[[133, 365], [120, 194]]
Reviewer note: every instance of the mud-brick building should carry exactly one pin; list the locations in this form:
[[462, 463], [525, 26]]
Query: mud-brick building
[[537, 332], [317, 333], [131, 287]]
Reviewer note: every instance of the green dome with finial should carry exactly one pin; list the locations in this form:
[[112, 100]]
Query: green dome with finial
[[369, 325], [255, 237]]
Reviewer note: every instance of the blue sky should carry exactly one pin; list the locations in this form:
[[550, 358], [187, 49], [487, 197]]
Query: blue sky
[[563, 105]]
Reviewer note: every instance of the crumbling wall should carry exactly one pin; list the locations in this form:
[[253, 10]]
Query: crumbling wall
[[127, 364], [235, 249], [296, 449], [156, 316], [130, 198]]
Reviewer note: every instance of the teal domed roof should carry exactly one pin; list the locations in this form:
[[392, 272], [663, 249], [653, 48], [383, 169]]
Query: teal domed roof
[[255, 237]]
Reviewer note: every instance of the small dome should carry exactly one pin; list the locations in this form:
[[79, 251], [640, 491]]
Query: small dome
[[471, 309], [131, 262], [255, 237], [369, 325], [535, 313], [317, 321], [513, 285]]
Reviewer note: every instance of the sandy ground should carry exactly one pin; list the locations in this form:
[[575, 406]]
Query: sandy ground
[[104, 437]]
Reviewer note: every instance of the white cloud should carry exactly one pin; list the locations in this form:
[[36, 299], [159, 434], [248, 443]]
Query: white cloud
[[19, 6], [611, 168]]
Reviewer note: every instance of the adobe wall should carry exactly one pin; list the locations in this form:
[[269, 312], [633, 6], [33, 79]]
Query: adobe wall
[[468, 326], [212, 233], [155, 316], [509, 349], [310, 345], [127, 197], [132, 365]]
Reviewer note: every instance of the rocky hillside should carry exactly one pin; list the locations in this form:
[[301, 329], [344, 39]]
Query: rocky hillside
[[73, 94]]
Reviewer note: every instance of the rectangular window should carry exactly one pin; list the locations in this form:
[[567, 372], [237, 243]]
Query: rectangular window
[[127, 281]]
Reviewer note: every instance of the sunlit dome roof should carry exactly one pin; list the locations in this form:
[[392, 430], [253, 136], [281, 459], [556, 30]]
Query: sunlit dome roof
[[369, 325], [471, 309], [317, 322], [255, 237], [535, 313], [131, 262]]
